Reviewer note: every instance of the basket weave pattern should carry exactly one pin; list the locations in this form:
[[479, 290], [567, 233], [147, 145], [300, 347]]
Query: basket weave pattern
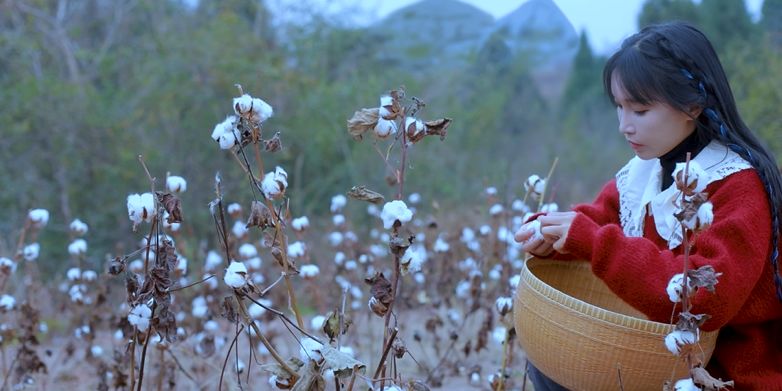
[[580, 334]]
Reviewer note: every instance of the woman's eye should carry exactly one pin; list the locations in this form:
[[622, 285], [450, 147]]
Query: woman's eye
[[641, 112]]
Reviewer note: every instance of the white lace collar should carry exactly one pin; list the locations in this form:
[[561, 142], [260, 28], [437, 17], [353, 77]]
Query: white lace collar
[[639, 184]]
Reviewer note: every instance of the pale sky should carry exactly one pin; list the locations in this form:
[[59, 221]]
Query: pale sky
[[607, 22]]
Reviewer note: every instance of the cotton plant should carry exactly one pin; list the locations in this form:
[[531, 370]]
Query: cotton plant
[[694, 213]]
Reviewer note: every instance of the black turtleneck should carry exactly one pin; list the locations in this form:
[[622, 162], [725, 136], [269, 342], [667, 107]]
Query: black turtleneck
[[678, 154]]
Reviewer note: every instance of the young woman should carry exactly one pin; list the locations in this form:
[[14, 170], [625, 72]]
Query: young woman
[[672, 97]]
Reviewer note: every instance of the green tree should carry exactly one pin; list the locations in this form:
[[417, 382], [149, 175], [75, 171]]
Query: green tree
[[657, 11]]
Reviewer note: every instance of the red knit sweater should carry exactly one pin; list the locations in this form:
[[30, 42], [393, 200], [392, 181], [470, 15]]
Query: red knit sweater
[[744, 306]]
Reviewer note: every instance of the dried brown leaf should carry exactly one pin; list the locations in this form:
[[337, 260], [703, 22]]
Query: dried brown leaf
[[362, 121], [700, 376], [380, 288], [273, 144], [260, 216], [361, 193], [172, 205], [704, 277], [438, 127], [399, 245]]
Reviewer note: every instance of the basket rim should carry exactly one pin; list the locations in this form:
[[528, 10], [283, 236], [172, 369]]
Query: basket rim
[[550, 293]]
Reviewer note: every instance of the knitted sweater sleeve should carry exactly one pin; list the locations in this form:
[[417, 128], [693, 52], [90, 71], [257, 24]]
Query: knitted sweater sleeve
[[605, 209], [638, 270]]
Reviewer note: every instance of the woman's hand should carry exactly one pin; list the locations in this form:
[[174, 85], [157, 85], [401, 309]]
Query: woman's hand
[[532, 241], [555, 226]]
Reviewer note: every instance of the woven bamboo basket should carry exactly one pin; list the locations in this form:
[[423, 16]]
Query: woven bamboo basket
[[583, 336]]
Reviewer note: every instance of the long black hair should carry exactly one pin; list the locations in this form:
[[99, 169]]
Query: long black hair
[[674, 63]]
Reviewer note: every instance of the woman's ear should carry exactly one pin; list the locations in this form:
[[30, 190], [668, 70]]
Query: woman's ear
[[695, 111]]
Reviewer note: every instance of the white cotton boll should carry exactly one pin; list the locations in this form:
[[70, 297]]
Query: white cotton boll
[[239, 229], [300, 224], [350, 236], [395, 211], [234, 208], [310, 349], [256, 311], [414, 198], [317, 322], [136, 266], [356, 292], [212, 283], [514, 282], [373, 210], [385, 128], [7, 303], [78, 227], [200, 308], [212, 326], [386, 100], [243, 104], [491, 191], [309, 271], [77, 293], [247, 250], [139, 317], [176, 184], [84, 331], [498, 335], [463, 289], [685, 385], [695, 173], [413, 259], [258, 278], [336, 238], [378, 250], [297, 249], [418, 126], [181, 264], [227, 140], [213, 260], [385, 237], [261, 110], [77, 247], [549, 208], [119, 335], [468, 235], [504, 304], [339, 258], [495, 274], [235, 275], [351, 265], [703, 218], [141, 207], [364, 258], [520, 206], [441, 246], [274, 183], [73, 274], [677, 339], [338, 220], [496, 209], [96, 351], [535, 184], [419, 278], [337, 203], [454, 315], [7, 264], [39, 217], [467, 264], [392, 387], [674, 288], [254, 263], [484, 230], [31, 252]]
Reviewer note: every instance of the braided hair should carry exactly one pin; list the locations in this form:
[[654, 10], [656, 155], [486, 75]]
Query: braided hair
[[675, 63]]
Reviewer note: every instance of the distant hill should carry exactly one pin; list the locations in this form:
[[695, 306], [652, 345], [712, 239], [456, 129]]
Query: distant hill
[[445, 35]]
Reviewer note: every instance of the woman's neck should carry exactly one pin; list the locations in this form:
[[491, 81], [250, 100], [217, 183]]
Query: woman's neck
[[693, 144]]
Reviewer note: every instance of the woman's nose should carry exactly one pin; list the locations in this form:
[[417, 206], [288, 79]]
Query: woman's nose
[[624, 125]]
